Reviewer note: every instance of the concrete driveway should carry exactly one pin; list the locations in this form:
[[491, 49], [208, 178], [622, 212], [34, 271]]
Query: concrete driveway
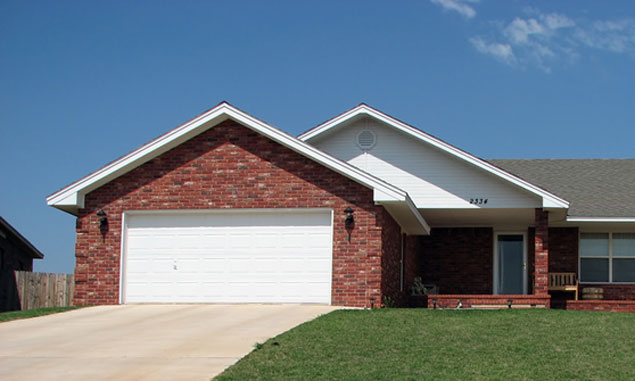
[[142, 342]]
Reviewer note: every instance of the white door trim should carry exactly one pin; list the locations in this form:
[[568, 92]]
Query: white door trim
[[496, 275]]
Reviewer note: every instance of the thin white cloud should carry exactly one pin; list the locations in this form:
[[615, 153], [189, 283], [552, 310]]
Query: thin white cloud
[[556, 21], [502, 52], [522, 31], [545, 39], [613, 36], [519, 30], [460, 6]]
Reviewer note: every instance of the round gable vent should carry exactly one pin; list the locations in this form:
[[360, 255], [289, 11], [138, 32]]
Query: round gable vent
[[366, 139]]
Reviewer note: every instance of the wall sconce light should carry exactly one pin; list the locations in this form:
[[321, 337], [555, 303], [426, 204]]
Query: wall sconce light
[[509, 303], [434, 303], [103, 222], [372, 303], [349, 222]]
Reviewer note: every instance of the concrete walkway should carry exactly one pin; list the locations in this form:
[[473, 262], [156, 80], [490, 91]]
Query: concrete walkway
[[142, 342]]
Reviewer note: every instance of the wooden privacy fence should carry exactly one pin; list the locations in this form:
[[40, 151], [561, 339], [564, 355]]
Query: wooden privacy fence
[[38, 290]]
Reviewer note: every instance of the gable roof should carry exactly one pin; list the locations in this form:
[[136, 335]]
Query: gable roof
[[71, 198], [596, 188], [549, 199], [6, 227]]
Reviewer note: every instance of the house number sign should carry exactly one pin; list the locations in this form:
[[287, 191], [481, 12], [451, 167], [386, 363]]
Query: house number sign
[[478, 201]]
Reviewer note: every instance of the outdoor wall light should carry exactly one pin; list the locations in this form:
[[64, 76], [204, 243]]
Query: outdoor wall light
[[434, 303], [509, 303], [372, 303], [349, 222], [103, 221]]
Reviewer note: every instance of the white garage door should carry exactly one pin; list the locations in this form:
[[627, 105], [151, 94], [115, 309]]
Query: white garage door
[[282, 256]]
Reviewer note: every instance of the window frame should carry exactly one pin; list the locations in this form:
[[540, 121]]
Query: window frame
[[610, 257]]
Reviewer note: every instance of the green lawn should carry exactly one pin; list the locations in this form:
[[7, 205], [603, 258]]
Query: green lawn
[[417, 344], [15, 315]]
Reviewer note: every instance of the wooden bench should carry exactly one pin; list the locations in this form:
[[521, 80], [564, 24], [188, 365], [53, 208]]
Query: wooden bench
[[564, 282]]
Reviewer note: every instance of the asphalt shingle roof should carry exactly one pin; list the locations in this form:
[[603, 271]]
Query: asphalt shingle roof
[[594, 187]]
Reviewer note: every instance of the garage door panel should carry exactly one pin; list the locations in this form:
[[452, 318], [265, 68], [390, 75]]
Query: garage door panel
[[231, 257], [213, 240]]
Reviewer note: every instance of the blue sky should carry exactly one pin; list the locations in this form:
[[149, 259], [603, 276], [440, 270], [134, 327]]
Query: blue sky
[[82, 83]]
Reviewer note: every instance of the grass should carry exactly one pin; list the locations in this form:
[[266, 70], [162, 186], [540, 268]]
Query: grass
[[414, 344], [15, 315]]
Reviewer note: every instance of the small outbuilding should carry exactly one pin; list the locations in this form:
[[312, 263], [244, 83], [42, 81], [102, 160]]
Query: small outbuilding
[[16, 254]]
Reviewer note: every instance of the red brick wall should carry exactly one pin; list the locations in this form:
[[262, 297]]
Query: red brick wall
[[412, 265], [391, 258], [230, 166], [563, 257], [458, 260], [601, 305], [541, 253], [563, 252], [614, 291]]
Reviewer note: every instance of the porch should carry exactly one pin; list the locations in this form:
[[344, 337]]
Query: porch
[[506, 265], [483, 267]]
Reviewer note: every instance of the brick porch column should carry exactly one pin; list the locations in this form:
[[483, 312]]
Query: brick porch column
[[541, 256]]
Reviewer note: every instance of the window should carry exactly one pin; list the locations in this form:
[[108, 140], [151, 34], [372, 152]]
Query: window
[[607, 257]]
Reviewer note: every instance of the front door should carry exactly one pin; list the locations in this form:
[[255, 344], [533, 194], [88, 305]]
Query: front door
[[510, 264]]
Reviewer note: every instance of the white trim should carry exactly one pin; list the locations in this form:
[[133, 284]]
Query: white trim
[[549, 200], [332, 258], [122, 253], [72, 197], [496, 276], [223, 211], [600, 219]]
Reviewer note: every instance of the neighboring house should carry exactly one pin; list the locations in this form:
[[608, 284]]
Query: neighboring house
[[16, 253], [226, 208]]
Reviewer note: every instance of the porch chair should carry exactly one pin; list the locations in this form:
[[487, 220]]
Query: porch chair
[[564, 282]]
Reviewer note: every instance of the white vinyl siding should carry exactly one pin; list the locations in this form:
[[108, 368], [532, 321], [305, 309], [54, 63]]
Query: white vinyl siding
[[607, 257], [432, 178], [228, 257]]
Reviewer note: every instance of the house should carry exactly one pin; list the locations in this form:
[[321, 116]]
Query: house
[[16, 254], [227, 208]]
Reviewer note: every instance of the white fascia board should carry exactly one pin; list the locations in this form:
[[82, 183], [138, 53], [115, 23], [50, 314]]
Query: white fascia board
[[73, 194], [415, 211], [549, 200], [407, 216], [600, 219]]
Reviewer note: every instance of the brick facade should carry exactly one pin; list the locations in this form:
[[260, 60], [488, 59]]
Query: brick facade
[[614, 291], [563, 257], [601, 305], [563, 250], [412, 261], [390, 259], [230, 166], [541, 253], [458, 260]]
